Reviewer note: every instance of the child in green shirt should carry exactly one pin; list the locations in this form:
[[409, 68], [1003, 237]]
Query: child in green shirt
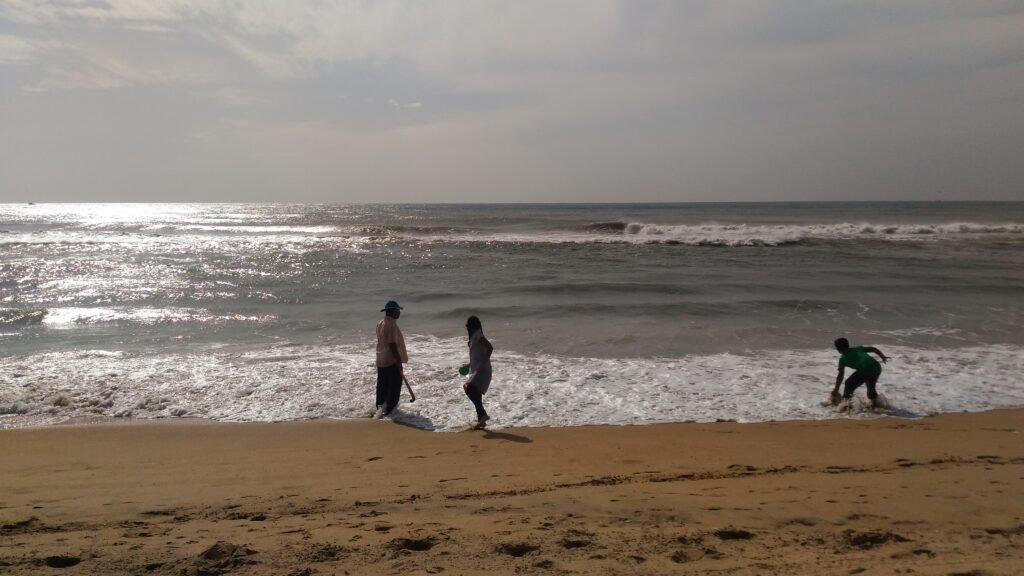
[[866, 369]]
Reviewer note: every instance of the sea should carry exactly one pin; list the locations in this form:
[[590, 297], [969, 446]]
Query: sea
[[598, 313]]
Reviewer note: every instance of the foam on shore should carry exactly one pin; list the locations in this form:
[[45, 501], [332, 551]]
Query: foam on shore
[[292, 382]]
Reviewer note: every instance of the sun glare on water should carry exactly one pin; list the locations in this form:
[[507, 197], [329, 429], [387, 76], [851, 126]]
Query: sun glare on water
[[142, 213], [103, 215]]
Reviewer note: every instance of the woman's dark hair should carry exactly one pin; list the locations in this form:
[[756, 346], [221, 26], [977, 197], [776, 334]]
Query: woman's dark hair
[[842, 344], [473, 324]]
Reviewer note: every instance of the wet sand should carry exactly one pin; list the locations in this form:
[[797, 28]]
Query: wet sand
[[941, 495]]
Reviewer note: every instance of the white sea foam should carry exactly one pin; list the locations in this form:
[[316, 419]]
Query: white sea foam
[[303, 382], [312, 238], [715, 234], [71, 316], [773, 235]]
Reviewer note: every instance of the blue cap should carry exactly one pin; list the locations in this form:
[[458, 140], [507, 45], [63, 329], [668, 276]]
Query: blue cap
[[391, 305]]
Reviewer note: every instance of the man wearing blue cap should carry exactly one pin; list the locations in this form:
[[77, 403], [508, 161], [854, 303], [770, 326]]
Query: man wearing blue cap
[[390, 357]]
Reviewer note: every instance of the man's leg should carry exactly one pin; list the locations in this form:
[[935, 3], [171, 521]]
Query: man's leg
[[394, 388], [382, 388]]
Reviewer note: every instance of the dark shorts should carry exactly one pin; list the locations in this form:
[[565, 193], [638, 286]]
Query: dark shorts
[[858, 378]]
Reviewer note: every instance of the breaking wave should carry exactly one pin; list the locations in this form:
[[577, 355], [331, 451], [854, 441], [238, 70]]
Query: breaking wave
[[707, 234], [715, 234], [16, 316]]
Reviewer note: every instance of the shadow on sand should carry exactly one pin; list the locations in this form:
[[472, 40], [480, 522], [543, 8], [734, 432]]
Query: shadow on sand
[[901, 413], [492, 435], [422, 423], [413, 421]]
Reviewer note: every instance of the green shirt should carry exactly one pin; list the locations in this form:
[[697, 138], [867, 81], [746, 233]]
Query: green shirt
[[859, 360]]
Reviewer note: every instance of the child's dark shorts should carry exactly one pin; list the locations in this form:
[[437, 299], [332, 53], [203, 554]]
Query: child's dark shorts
[[858, 378]]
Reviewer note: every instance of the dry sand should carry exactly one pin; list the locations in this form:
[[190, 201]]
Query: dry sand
[[941, 495]]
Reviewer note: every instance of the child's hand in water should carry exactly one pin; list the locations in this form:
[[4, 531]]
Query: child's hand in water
[[835, 397]]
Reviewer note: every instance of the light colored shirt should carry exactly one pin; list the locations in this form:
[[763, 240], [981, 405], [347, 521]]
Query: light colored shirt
[[389, 333], [479, 362], [478, 358]]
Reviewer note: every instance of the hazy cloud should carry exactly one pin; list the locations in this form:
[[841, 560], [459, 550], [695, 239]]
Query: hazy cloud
[[14, 50], [418, 100]]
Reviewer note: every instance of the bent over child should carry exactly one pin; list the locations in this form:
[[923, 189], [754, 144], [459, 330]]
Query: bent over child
[[866, 369]]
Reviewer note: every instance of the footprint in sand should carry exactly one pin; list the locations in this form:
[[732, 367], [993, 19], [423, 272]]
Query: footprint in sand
[[689, 555], [412, 544], [517, 550], [61, 561], [733, 534], [872, 539], [324, 553]]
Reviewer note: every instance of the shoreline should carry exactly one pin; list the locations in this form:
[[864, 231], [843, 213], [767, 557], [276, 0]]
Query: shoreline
[[935, 495], [861, 413]]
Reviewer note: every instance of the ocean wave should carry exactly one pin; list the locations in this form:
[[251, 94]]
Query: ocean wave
[[403, 230], [954, 228], [73, 316], [638, 309], [775, 235], [356, 237], [240, 228], [16, 316], [712, 234], [192, 241], [609, 226], [303, 382]]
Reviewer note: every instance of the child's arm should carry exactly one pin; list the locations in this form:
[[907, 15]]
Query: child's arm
[[487, 345], [874, 350], [839, 378]]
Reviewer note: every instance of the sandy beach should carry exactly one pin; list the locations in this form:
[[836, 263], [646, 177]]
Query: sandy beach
[[940, 495]]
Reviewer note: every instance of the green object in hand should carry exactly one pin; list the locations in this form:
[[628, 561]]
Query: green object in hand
[[464, 369]]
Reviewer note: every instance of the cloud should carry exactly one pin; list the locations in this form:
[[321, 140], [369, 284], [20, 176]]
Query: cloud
[[779, 97], [288, 40], [15, 50], [408, 105], [43, 12]]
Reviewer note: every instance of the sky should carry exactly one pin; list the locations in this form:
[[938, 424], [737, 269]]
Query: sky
[[511, 101]]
